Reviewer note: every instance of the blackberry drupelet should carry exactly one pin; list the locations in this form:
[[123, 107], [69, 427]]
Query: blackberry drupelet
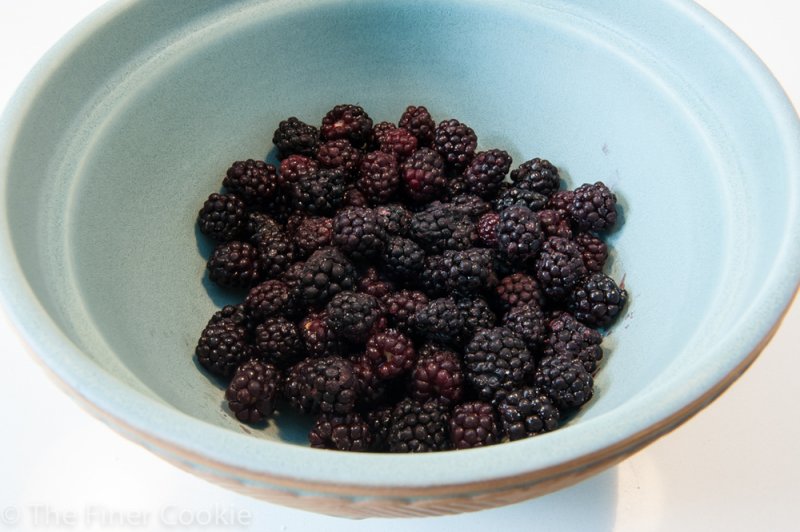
[[294, 136], [594, 208], [439, 321], [438, 229], [474, 424], [390, 353], [252, 392], [313, 233], [349, 432], [565, 381], [486, 229], [593, 250], [567, 337], [419, 427], [253, 181], [418, 121], [318, 338], [555, 223], [319, 194], [519, 235], [517, 289], [437, 376], [356, 231], [270, 298], [422, 175], [222, 217], [527, 412], [354, 316], [398, 142], [597, 300], [477, 315], [403, 259], [401, 306], [234, 264], [519, 196], [456, 143], [378, 177], [486, 171], [222, 347], [339, 155], [496, 361], [537, 175], [394, 218], [278, 342], [528, 322], [326, 273], [295, 167], [327, 385], [349, 122], [468, 272], [559, 268]]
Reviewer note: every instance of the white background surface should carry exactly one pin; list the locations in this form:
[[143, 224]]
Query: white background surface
[[735, 466]]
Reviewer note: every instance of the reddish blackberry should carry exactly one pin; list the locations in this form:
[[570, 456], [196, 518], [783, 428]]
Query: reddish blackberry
[[560, 201], [398, 142], [496, 361], [379, 130], [278, 342], [275, 252], [319, 194], [270, 298], [326, 273], [528, 322], [234, 264], [565, 381], [222, 217], [390, 353], [340, 155], [422, 175], [318, 338], [519, 235], [567, 337], [594, 208], [537, 175], [401, 306], [394, 218], [518, 289], [313, 233], [253, 181], [354, 198], [418, 121], [222, 347], [440, 229], [559, 267], [347, 432], [468, 272], [486, 229], [356, 231], [375, 284], [555, 223], [349, 122], [294, 136], [477, 315], [456, 143], [253, 390], [419, 427], [403, 259], [519, 196], [527, 412], [473, 425], [354, 316], [593, 250], [486, 171], [379, 420], [437, 376], [294, 168], [378, 177], [327, 385], [439, 321], [597, 300]]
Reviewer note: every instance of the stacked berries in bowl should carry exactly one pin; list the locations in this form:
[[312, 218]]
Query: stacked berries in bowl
[[405, 290]]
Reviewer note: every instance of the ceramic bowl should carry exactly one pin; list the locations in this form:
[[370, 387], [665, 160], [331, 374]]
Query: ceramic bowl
[[119, 134]]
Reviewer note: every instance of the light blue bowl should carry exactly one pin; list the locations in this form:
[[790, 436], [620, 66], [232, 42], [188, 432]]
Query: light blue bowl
[[119, 134]]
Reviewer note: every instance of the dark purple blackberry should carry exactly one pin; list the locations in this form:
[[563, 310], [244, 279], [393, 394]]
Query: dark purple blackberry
[[234, 264], [327, 385], [354, 316], [292, 278], [555, 223], [270, 298], [319, 194], [374, 283], [439, 321], [399, 142], [527, 412], [349, 432], [594, 208], [440, 229], [537, 175], [318, 338], [468, 272], [275, 252], [278, 342], [486, 229], [339, 155], [567, 337], [528, 322], [257, 222], [519, 235], [519, 196], [400, 306], [293, 222], [313, 233], [222, 217], [469, 205], [379, 420], [280, 206], [496, 362], [597, 300], [518, 289], [354, 198], [403, 259], [433, 279], [394, 218], [437, 376], [372, 389], [326, 273], [349, 122], [356, 231], [456, 186], [235, 313], [456, 143], [390, 353], [486, 171], [253, 390], [222, 347], [565, 381], [560, 201], [378, 177], [294, 168], [593, 250], [477, 315], [253, 181], [559, 268], [422, 175], [418, 121], [473, 425], [419, 427], [294, 136]]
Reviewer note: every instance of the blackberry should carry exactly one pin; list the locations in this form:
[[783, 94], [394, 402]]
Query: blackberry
[[257, 222], [528, 322], [468, 272], [313, 233], [398, 142], [278, 342], [565, 381], [326, 273], [400, 306], [418, 427], [347, 432], [294, 136], [559, 267], [403, 259], [253, 181], [319, 194], [555, 223], [560, 201], [379, 420], [593, 251], [372, 389], [527, 412], [519, 196], [390, 353], [318, 338], [496, 362], [519, 235], [433, 279], [440, 229], [394, 218], [354, 316], [280, 206], [253, 390], [275, 252], [293, 222], [418, 121], [340, 155], [597, 300], [537, 175], [378, 177], [456, 143], [486, 171], [437, 376], [473, 425], [292, 277], [270, 298], [567, 337], [222, 217], [422, 175], [439, 321], [234, 264], [486, 229], [518, 289], [222, 347], [349, 122], [327, 385], [380, 129], [294, 168], [456, 186], [374, 284], [469, 205], [594, 208], [477, 315], [235, 313], [356, 231]]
